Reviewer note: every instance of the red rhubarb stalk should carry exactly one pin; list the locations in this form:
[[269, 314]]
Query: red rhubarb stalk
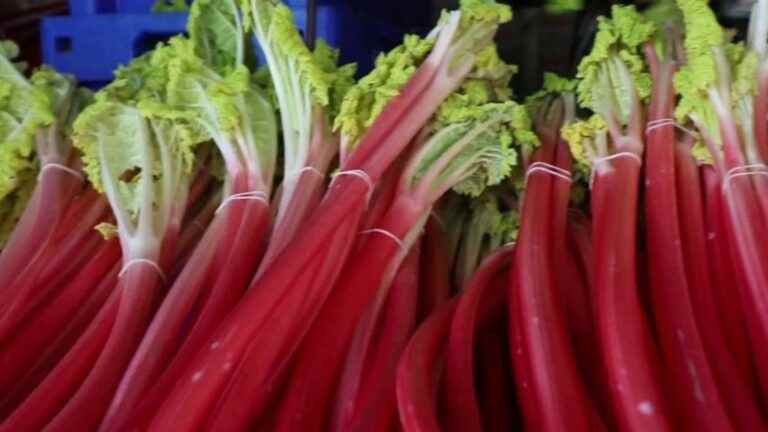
[[20, 351], [737, 392], [480, 299], [47, 102], [359, 273], [496, 389], [365, 400], [346, 197], [745, 229], [557, 393], [423, 182], [733, 315], [54, 266], [694, 392], [418, 372], [50, 396], [322, 271], [627, 346], [62, 340], [435, 283], [227, 265]]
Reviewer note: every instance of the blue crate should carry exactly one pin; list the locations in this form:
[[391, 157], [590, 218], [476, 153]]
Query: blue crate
[[92, 7], [92, 46], [100, 35]]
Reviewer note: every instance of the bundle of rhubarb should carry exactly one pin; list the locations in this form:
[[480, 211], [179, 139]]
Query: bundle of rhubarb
[[213, 243]]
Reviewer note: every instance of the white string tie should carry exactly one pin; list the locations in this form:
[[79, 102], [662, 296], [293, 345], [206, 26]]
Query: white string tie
[[659, 123], [744, 171], [311, 169], [61, 167], [386, 234], [748, 168], [548, 169], [244, 196], [599, 161], [137, 261], [563, 171]]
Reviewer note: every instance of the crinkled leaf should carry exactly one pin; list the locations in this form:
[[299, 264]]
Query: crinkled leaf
[[366, 99], [483, 12], [25, 107], [580, 137], [217, 31], [488, 82], [615, 69], [342, 77], [666, 16], [112, 138], [286, 51], [302, 80], [703, 35], [553, 86], [57, 89], [489, 141], [226, 108]]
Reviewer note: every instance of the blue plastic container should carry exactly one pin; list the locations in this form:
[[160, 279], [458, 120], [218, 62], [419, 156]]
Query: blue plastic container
[[100, 35]]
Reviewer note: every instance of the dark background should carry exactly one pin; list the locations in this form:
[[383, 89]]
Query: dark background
[[536, 41]]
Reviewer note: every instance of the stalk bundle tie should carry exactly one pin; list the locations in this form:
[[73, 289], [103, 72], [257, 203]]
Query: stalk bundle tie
[[61, 167], [599, 161], [659, 123], [311, 169], [361, 175], [556, 171], [744, 171], [244, 196], [145, 261], [386, 234]]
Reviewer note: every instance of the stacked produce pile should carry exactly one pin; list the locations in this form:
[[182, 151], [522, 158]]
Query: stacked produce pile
[[205, 244]]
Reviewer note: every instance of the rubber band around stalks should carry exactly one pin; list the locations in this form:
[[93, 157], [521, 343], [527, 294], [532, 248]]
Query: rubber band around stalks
[[386, 234], [361, 175], [599, 161], [244, 196], [311, 169], [744, 171], [144, 261], [545, 165], [548, 169], [655, 124], [61, 167]]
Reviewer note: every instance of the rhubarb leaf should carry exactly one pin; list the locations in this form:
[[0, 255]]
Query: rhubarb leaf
[[581, 137], [26, 106], [218, 33], [366, 99], [473, 148], [478, 22], [613, 78], [703, 35]]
